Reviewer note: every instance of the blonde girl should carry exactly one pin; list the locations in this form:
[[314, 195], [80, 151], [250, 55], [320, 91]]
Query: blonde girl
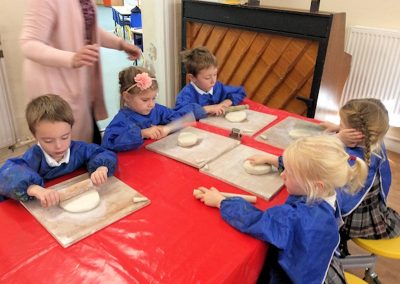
[[140, 117], [303, 233]]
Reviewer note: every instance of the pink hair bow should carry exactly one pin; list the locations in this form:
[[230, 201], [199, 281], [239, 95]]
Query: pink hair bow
[[143, 81]]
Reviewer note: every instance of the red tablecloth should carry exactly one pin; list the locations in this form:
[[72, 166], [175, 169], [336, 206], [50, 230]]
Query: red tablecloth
[[176, 239]]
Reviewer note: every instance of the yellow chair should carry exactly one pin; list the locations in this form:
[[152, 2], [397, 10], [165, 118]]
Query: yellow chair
[[352, 279], [389, 248]]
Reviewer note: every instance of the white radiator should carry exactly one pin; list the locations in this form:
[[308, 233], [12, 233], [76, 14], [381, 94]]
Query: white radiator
[[7, 130], [375, 68]]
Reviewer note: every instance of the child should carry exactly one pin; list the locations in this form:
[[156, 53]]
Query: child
[[303, 233], [204, 89], [140, 117], [366, 213], [50, 120]]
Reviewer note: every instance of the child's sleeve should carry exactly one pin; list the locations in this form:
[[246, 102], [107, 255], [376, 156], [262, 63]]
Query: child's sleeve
[[97, 156], [185, 97], [16, 176], [122, 136], [235, 94], [272, 226]]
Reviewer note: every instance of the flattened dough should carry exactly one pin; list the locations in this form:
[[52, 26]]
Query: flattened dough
[[236, 116], [256, 169], [187, 139], [82, 202], [299, 133]]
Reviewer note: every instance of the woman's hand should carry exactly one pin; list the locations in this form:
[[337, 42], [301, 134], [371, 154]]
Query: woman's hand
[[99, 176], [86, 56], [47, 197], [133, 51], [210, 197]]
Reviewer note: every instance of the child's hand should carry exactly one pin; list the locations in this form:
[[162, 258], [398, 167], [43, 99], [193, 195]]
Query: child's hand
[[211, 197], [264, 159], [99, 176], [350, 137], [218, 109], [330, 127], [47, 197], [153, 132]]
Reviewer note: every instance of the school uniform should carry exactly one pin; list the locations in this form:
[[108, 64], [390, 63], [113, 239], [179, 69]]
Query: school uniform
[[220, 92], [366, 213], [36, 167], [305, 235], [124, 131]]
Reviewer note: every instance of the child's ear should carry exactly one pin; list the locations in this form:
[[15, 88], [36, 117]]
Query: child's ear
[[191, 77], [125, 95], [319, 185]]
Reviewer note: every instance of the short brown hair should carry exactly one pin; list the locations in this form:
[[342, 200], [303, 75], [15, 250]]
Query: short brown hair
[[50, 108], [198, 59]]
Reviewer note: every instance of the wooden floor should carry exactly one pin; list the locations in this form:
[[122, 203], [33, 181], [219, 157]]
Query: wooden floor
[[386, 268]]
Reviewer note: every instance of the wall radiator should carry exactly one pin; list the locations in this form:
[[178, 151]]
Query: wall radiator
[[375, 68], [7, 130]]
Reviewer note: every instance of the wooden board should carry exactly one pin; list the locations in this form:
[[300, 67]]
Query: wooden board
[[209, 147], [255, 122], [229, 168], [68, 228], [278, 135]]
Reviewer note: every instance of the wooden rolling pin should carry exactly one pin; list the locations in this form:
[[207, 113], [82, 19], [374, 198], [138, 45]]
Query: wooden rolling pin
[[75, 189], [249, 198], [236, 108]]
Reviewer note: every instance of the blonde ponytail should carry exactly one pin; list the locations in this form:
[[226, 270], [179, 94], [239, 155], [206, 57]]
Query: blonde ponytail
[[357, 175]]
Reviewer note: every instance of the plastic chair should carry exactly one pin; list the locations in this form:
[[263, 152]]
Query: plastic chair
[[389, 248], [352, 279], [120, 25], [136, 24]]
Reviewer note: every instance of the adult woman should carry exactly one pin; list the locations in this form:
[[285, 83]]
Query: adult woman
[[60, 41]]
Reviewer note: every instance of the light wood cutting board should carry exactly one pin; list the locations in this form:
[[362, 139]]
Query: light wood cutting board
[[209, 147], [229, 168], [68, 228], [278, 135], [255, 122]]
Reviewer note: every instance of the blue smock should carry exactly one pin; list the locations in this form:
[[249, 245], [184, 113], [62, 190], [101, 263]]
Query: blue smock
[[379, 164], [124, 131], [305, 234], [17, 174], [221, 92]]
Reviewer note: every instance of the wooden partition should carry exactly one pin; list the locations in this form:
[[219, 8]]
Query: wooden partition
[[283, 58]]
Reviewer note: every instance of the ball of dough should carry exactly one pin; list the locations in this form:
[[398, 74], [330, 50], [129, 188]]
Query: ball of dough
[[299, 133], [83, 202], [187, 139], [256, 169], [236, 116]]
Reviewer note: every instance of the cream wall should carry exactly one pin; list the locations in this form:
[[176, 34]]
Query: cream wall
[[11, 14], [381, 14]]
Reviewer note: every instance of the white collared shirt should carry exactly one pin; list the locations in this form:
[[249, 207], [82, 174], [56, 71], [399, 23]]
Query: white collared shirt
[[200, 91], [331, 200], [53, 163]]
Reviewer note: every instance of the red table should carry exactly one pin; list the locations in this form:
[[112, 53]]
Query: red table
[[176, 239]]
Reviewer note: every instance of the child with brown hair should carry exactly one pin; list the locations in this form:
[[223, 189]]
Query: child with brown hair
[[204, 89], [366, 214], [140, 117], [303, 233], [50, 120]]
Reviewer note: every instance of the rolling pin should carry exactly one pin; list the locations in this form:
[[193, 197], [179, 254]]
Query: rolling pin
[[249, 198], [236, 108], [75, 189]]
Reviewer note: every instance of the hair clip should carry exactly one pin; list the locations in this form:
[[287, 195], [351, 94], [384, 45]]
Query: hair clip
[[143, 81], [352, 158]]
